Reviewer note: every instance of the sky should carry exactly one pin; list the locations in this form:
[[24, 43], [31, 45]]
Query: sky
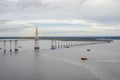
[[60, 17]]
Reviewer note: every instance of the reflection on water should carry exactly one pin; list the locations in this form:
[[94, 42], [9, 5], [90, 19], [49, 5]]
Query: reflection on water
[[61, 64], [36, 51]]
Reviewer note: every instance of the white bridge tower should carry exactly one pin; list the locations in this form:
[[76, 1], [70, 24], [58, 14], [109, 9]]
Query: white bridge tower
[[36, 39]]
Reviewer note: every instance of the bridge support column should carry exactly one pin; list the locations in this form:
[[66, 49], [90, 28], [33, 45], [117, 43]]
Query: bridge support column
[[55, 44], [16, 45], [4, 46], [10, 46], [52, 44], [58, 43], [36, 44], [61, 43], [67, 44], [71, 43], [36, 39], [64, 43]]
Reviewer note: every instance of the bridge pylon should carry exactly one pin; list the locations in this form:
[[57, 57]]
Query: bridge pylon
[[36, 40]]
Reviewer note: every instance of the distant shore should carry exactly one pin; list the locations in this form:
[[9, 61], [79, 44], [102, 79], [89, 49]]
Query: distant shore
[[67, 38]]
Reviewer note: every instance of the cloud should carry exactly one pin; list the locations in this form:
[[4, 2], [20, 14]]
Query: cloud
[[59, 27], [32, 3], [97, 10], [83, 1], [100, 9], [6, 6], [86, 17]]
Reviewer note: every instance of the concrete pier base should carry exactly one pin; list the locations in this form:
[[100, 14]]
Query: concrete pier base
[[67, 46], [16, 49], [36, 47], [10, 50], [52, 47], [4, 51]]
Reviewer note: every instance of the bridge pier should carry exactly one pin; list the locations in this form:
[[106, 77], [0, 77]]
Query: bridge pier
[[69, 43], [36, 44], [61, 43], [55, 44], [64, 43], [58, 44], [16, 45], [4, 45], [72, 43], [36, 39], [77, 43], [52, 44], [10, 46]]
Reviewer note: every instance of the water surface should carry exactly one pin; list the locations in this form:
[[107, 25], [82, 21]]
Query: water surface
[[61, 64]]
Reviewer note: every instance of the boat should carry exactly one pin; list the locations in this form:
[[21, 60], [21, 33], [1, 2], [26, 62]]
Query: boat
[[84, 58], [88, 50]]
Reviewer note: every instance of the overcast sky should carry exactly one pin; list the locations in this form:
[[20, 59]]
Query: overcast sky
[[60, 17]]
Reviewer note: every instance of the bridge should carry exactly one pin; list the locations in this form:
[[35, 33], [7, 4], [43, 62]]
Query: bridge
[[56, 42]]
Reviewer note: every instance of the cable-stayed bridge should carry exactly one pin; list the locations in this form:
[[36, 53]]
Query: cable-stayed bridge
[[56, 42]]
